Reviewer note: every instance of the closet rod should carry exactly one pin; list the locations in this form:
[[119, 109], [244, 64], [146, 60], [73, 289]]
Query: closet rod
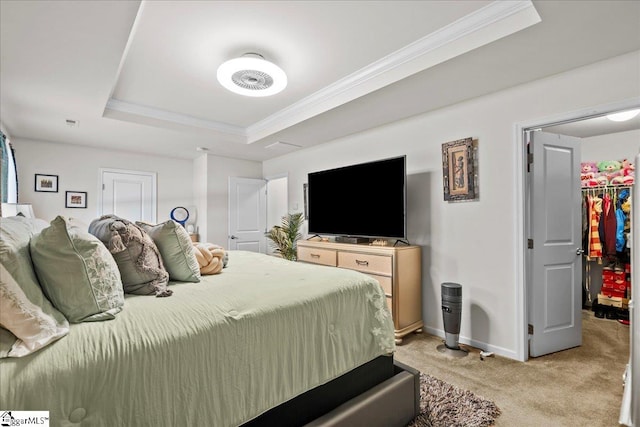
[[608, 187]]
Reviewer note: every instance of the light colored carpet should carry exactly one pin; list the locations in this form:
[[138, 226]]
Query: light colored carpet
[[576, 387]]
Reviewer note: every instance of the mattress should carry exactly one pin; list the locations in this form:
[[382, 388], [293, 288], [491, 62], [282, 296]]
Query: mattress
[[219, 352]]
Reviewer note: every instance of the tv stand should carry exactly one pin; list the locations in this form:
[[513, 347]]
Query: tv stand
[[397, 269]]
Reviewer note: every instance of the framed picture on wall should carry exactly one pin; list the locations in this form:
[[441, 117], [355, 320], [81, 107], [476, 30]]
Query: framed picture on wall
[[459, 170], [75, 199], [46, 183]]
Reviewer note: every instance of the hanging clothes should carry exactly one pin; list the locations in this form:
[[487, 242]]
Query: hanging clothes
[[585, 223], [621, 219], [595, 210], [609, 222]]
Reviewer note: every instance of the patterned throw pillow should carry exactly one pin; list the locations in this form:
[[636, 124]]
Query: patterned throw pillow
[[176, 249], [77, 272], [15, 259], [137, 256], [29, 323]]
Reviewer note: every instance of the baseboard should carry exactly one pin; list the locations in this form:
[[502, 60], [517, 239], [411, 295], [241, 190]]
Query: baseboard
[[500, 351]]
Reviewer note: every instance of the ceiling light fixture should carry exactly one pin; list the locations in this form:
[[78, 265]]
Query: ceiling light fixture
[[623, 116], [252, 75]]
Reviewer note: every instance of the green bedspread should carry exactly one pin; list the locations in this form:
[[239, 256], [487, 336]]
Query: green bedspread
[[216, 353]]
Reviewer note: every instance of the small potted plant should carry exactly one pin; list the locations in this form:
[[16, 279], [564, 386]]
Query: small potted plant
[[284, 237]]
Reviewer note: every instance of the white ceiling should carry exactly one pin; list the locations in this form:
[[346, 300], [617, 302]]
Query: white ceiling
[[594, 126], [140, 76]]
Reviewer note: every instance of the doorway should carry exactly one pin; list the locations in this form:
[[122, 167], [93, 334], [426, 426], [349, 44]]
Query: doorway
[[128, 194], [247, 214], [255, 205], [523, 203]]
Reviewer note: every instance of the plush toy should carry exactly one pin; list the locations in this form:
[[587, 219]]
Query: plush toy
[[628, 172], [591, 182], [627, 168], [617, 180], [609, 166], [588, 171], [610, 169]]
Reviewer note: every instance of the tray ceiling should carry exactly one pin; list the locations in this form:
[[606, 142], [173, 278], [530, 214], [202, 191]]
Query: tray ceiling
[[140, 76]]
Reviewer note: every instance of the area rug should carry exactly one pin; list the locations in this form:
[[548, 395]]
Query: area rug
[[442, 404]]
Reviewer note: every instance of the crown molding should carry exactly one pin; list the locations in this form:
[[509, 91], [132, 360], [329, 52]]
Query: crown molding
[[494, 13], [485, 25], [171, 117]]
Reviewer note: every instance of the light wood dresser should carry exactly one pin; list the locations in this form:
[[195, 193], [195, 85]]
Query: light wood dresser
[[398, 269]]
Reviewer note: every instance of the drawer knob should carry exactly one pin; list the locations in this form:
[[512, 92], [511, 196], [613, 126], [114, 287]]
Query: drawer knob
[[315, 255], [359, 262]]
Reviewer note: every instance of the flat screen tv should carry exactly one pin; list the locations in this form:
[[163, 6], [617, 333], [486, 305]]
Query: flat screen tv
[[363, 200]]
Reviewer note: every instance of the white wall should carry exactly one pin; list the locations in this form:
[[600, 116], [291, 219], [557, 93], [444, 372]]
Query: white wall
[[277, 204], [217, 170], [470, 243], [200, 195], [614, 146], [277, 201], [203, 182], [78, 170]]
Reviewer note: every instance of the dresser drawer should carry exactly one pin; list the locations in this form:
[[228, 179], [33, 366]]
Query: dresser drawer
[[367, 263], [385, 282], [317, 256]]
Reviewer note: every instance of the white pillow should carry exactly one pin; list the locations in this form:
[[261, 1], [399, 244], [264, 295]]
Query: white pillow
[[32, 326]]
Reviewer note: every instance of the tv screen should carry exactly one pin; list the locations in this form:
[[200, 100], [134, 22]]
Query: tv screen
[[363, 200]]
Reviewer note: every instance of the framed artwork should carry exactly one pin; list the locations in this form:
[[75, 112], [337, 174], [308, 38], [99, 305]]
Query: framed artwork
[[459, 170], [76, 199], [46, 183]]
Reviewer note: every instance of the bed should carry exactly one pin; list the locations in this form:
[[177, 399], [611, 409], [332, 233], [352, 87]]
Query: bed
[[235, 348]]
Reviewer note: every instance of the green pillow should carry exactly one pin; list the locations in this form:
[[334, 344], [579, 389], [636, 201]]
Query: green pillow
[[176, 249], [15, 233], [77, 272]]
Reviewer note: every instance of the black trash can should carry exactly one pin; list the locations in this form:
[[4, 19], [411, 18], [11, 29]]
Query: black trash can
[[451, 313]]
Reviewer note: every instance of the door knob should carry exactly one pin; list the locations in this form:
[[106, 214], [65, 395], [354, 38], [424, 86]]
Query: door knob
[[579, 251], [232, 237]]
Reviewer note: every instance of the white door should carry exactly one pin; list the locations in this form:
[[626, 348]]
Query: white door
[[555, 285], [247, 214], [129, 194]]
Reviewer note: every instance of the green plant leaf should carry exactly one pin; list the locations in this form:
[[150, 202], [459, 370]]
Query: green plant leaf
[[284, 237]]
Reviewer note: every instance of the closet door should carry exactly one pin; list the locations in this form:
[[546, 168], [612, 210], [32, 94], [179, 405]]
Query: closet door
[[555, 289], [129, 194]]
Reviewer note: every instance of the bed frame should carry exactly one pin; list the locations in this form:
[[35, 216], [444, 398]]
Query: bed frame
[[382, 392]]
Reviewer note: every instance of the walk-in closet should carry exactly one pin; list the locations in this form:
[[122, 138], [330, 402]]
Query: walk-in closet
[[607, 178]]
